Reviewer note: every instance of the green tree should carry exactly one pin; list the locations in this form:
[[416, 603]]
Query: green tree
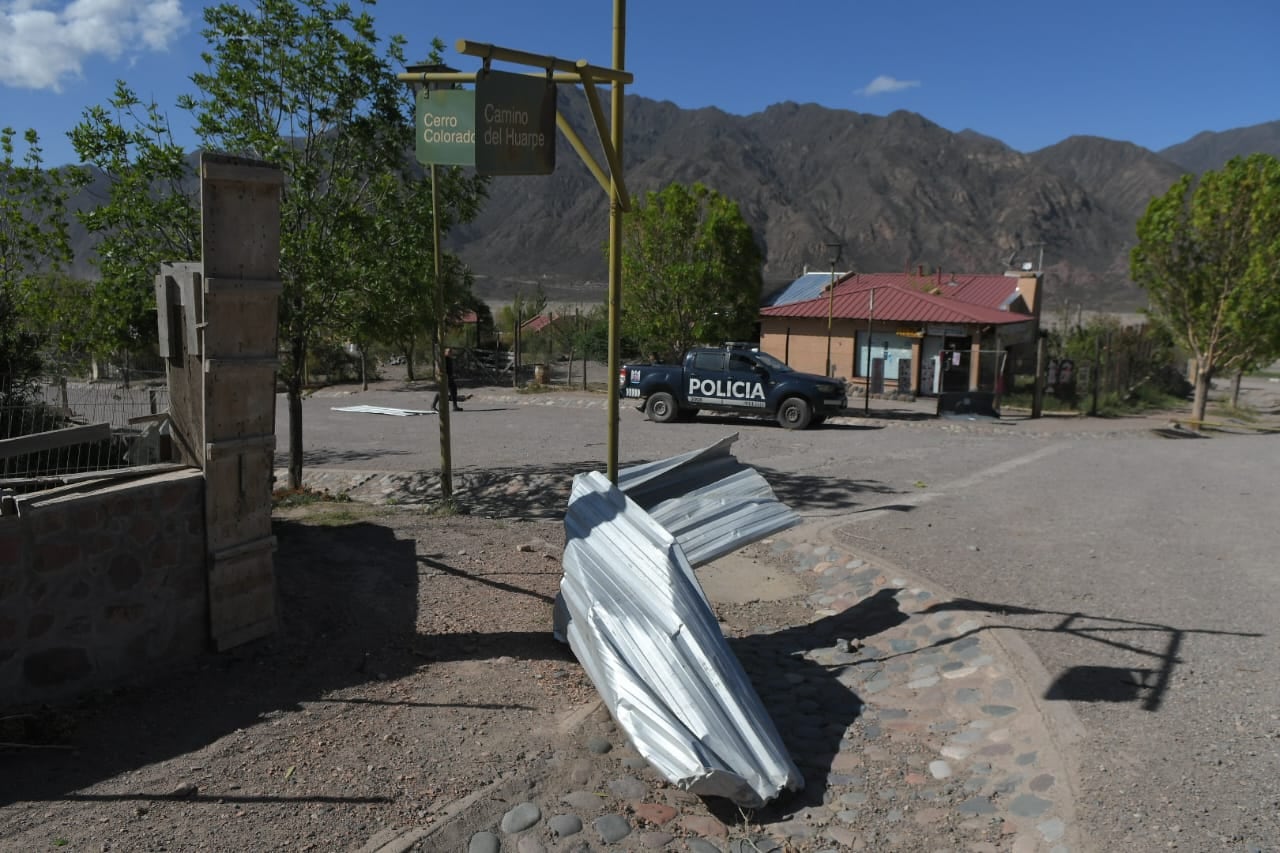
[[150, 214], [33, 219], [59, 310], [33, 241], [396, 297], [306, 85], [1208, 255], [692, 269]]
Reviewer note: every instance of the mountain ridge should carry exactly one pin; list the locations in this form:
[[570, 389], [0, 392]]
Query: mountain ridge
[[896, 191]]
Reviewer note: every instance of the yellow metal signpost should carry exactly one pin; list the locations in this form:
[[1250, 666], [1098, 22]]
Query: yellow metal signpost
[[511, 131], [444, 130]]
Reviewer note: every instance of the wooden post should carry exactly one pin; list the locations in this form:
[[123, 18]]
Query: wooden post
[[1037, 389]]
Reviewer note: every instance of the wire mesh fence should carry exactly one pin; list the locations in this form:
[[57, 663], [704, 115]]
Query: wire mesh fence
[[52, 427]]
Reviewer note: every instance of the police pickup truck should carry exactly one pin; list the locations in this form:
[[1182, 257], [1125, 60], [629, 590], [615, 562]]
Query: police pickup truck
[[733, 378]]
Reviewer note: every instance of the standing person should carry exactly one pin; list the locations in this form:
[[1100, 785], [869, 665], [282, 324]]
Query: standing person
[[453, 385]]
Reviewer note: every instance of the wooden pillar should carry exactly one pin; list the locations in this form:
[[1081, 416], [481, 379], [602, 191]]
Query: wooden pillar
[[240, 233], [917, 353], [975, 360], [1037, 394]]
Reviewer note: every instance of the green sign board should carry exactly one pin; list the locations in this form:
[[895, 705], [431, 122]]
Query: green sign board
[[515, 124], [446, 127]]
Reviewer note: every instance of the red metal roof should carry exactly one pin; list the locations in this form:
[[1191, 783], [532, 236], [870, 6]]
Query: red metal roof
[[993, 291], [538, 323], [898, 298]]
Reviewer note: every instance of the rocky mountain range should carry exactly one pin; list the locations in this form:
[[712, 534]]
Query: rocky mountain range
[[894, 191]]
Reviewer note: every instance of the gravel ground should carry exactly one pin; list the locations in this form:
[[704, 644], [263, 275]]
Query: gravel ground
[[414, 668]]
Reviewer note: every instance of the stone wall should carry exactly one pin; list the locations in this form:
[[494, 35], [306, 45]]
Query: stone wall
[[101, 585]]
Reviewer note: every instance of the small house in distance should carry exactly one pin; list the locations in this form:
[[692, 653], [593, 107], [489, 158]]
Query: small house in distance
[[907, 333]]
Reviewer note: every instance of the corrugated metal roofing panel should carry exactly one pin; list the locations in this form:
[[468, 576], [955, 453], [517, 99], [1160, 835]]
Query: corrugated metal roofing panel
[[711, 502], [641, 626]]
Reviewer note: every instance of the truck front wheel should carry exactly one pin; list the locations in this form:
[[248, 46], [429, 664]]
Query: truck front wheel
[[795, 413], [661, 408]]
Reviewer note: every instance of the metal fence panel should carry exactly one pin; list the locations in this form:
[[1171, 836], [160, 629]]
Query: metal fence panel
[[131, 417]]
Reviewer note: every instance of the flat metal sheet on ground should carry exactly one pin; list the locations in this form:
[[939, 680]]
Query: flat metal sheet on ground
[[384, 410]]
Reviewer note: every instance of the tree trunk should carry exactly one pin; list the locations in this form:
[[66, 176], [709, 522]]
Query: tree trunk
[[1201, 399], [1235, 389], [364, 371], [298, 348]]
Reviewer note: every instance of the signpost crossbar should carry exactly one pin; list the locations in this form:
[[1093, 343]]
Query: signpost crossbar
[[521, 57]]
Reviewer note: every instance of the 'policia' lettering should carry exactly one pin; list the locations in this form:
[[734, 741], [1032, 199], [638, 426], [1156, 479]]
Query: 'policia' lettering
[[725, 389]]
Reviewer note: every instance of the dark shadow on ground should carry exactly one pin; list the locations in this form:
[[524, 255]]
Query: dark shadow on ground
[[848, 427], [1087, 683], [348, 604], [330, 619], [811, 494], [735, 421], [1176, 431], [542, 491], [528, 491], [889, 508], [890, 414], [809, 706], [440, 566], [330, 456]]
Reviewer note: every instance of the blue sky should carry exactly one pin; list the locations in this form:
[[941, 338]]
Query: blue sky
[[1030, 73]]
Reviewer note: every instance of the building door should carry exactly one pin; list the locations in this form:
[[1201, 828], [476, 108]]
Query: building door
[[955, 364]]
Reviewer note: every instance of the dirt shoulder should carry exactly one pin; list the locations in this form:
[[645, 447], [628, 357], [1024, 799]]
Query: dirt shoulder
[[414, 665]]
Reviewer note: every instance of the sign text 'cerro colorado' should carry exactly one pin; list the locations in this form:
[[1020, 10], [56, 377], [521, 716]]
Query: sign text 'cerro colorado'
[[446, 127]]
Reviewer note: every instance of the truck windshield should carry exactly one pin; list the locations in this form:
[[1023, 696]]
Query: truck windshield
[[772, 363]]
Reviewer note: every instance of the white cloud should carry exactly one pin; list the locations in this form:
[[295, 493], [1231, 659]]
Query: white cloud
[[41, 47], [885, 83]]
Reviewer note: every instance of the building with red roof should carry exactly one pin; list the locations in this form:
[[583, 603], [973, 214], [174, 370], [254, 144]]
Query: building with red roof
[[907, 332]]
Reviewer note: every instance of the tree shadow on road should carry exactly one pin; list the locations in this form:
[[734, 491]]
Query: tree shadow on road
[[1095, 683], [328, 456], [812, 494]]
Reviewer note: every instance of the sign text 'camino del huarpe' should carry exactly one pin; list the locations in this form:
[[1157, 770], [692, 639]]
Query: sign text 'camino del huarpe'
[[507, 126], [515, 120]]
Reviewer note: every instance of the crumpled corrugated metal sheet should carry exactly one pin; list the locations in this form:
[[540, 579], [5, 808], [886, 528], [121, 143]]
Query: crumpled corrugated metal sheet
[[711, 502], [635, 615]]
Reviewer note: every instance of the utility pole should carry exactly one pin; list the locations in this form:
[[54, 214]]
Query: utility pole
[[1037, 393], [831, 300], [866, 393]]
